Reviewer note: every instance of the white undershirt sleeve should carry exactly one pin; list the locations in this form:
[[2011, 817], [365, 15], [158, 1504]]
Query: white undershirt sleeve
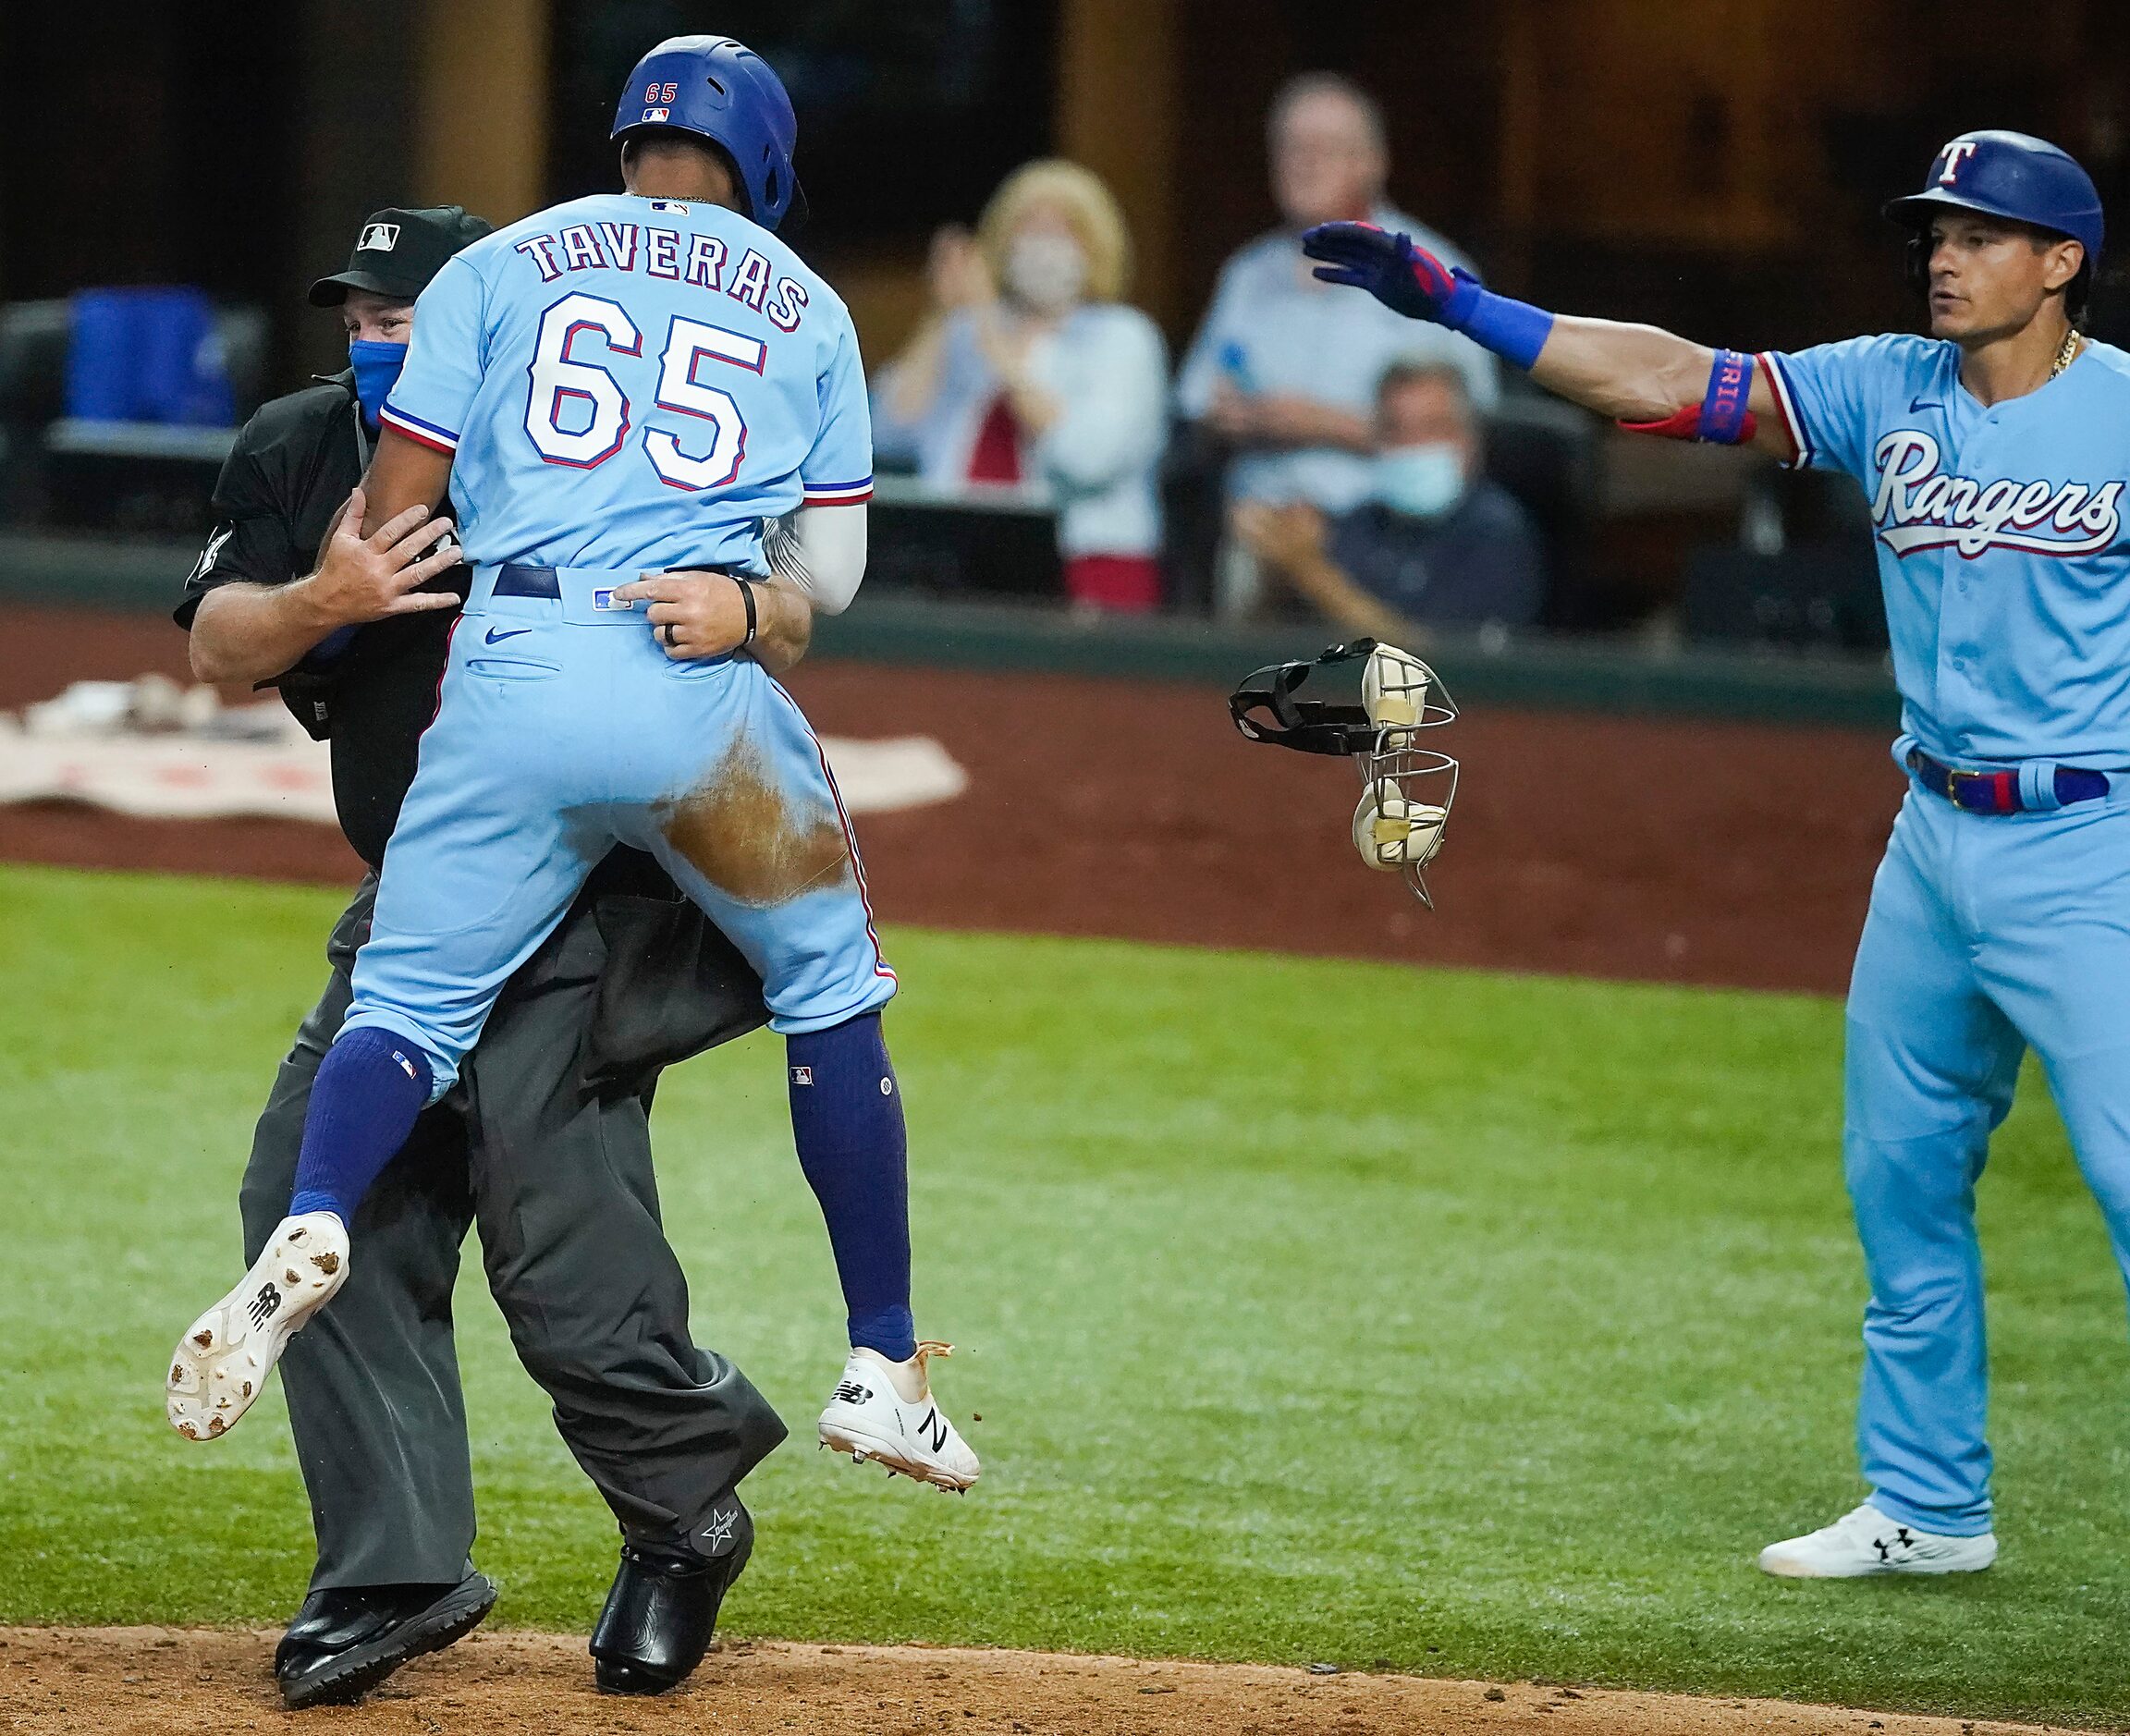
[[820, 552]]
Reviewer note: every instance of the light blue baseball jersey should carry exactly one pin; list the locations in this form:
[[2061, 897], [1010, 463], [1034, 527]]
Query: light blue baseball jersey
[[634, 382], [2000, 540]]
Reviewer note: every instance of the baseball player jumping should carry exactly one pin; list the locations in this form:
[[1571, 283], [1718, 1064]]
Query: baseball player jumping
[[1995, 454], [624, 393]]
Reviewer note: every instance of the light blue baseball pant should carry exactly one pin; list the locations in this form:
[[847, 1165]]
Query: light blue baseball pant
[[563, 728], [1988, 934]]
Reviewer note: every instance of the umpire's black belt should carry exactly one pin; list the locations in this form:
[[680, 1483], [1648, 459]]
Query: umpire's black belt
[[2001, 791]]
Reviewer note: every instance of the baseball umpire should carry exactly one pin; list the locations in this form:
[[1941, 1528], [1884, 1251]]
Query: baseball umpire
[[1993, 454], [546, 1140]]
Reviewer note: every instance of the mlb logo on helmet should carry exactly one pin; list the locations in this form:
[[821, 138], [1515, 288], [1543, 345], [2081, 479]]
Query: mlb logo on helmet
[[379, 237], [722, 90]]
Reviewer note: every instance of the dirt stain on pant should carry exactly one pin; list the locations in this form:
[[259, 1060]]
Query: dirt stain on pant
[[743, 837]]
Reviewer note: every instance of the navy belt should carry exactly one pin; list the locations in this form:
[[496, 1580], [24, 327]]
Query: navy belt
[[513, 580], [1997, 792]]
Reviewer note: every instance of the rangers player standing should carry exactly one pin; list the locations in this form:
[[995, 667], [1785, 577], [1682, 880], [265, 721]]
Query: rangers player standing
[[1994, 453]]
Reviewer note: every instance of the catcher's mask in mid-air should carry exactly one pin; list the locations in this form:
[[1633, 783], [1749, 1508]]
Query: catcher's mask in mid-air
[[1406, 789]]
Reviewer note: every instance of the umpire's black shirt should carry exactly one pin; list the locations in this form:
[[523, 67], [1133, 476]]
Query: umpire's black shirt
[[290, 470]]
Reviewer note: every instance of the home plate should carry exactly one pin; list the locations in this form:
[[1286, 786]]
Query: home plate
[[893, 772]]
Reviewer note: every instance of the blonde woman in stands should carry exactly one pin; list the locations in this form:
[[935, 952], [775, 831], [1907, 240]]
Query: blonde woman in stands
[[1029, 370]]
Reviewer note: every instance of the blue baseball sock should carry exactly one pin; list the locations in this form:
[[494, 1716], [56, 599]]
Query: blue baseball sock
[[370, 1087], [846, 1121]]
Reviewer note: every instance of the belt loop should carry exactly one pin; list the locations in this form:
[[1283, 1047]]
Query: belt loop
[[480, 590], [2038, 785]]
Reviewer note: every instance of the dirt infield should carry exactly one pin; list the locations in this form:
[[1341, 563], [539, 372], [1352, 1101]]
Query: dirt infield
[[1637, 847], [146, 1681]]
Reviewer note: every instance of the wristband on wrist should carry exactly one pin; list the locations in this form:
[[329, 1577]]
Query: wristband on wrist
[[1722, 417], [747, 597], [1514, 330]]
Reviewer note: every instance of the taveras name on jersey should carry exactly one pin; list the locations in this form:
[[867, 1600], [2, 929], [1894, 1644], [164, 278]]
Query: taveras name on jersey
[[637, 382]]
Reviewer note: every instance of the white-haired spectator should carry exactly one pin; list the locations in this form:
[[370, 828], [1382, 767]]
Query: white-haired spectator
[[1030, 370], [1284, 368]]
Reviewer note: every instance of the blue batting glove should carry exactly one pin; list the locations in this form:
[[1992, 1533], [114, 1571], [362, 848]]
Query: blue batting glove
[[1396, 271]]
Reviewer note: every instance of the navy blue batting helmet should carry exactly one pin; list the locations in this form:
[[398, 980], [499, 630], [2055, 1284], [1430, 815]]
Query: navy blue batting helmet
[[2008, 175], [722, 90]]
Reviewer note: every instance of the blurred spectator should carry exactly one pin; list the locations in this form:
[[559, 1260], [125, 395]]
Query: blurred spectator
[[1435, 543], [1030, 371], [1283, 371]]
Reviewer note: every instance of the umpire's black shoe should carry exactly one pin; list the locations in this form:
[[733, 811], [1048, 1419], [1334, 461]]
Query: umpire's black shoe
[[344, 1642], [663, 1609]]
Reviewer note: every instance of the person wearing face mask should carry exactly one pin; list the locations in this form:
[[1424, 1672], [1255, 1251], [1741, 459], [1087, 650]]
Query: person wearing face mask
[[1030, 373], [547, 1142], [250, 616], [1435, 542], [1277, 384]]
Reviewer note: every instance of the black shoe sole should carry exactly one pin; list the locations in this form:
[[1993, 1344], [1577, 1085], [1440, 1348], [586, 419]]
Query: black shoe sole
[[344, 1680]]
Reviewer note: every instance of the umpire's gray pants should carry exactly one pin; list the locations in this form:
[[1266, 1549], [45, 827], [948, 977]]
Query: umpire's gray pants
[[561, 1185]]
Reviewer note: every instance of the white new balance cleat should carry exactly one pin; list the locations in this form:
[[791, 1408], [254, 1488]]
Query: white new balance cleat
[[1866, 1541], [220, 1366], [884, 1411]]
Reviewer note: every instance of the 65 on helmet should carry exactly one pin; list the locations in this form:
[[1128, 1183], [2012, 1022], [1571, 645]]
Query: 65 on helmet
[[722, 90], [2009, 175]]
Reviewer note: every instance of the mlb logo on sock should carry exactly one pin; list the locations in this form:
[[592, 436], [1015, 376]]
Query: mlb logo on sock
[[801, 1075]]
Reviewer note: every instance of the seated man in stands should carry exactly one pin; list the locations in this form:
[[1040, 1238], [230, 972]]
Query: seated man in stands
[[1279, 380], [1434, 544]]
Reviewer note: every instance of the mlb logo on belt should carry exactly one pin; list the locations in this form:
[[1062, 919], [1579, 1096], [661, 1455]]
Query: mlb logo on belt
[[379, 237], [604, 600]]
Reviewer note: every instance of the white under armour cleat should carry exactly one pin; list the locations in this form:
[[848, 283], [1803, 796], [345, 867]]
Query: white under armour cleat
[[1866, 1541], [220, 1366], [884, 1411]]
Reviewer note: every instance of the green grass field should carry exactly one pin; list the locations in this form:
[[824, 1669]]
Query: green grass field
[[1315, 1311]]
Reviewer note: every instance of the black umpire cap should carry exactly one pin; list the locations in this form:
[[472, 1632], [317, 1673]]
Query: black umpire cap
[[398, 251]]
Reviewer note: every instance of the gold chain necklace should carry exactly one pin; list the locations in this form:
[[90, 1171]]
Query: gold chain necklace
[[2067, 354]]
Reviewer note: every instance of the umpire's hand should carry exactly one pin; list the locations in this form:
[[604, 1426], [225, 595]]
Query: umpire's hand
[[370, 578]]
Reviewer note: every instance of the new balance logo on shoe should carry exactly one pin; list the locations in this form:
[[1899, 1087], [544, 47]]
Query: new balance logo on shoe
[[850, 1392], [932, 1430], [264, 1305]]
